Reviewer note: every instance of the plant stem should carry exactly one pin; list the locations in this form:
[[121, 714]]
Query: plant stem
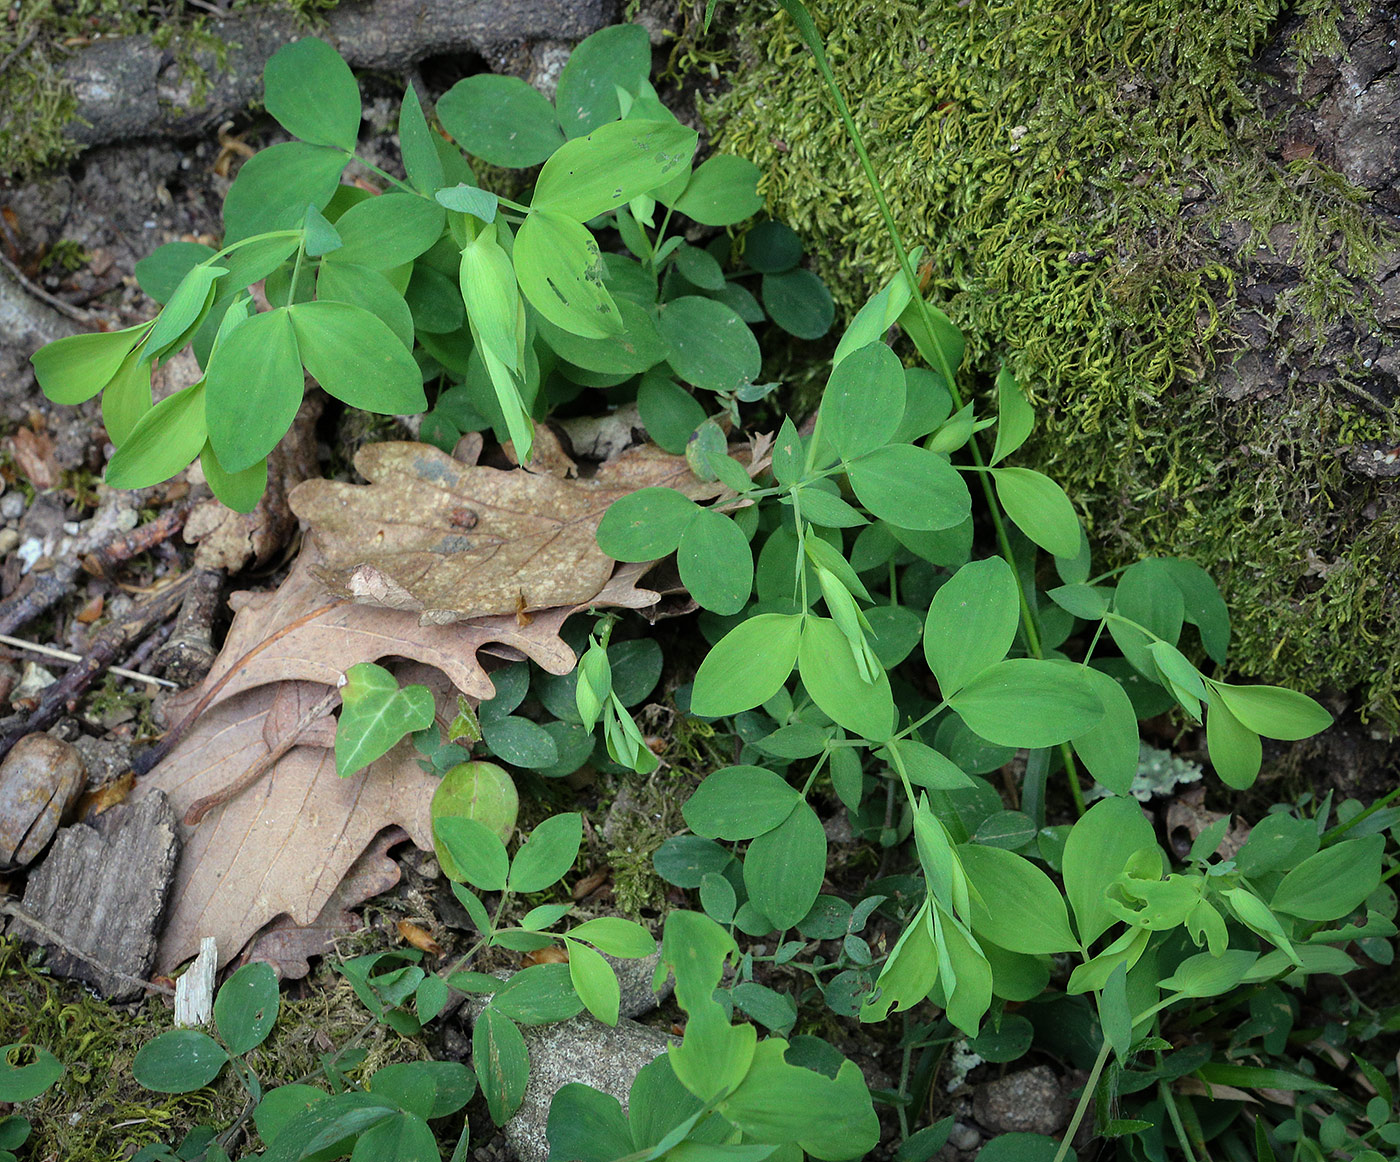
[[1164, 1091], [1331, 837], [296, 274], [1084, 1099]]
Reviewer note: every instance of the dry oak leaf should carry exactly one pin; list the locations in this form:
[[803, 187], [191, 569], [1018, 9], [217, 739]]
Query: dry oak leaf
[[284, 845], [452, 541]]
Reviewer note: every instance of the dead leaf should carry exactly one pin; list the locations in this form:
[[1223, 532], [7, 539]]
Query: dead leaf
[[419, 938], [34, 457], [286, 945], [1187, 817], [401, 542], [285, 844]]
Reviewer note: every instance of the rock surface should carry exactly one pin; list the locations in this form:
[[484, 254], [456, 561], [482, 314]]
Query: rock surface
[[1028, 1102]]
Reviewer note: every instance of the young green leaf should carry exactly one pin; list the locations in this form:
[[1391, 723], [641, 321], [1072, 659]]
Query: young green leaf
[[246, 1008], [253, 389], [646, 525], [749, 664], [126, 399], [469, 200], [722, 191], [1015, 905], [501, 120], [276, 184], [971, 622], [183, 313], [313, 94], [874, 319], [1098, 848], [375, 714], [609, 167], [178, 1061], [1235, 751], [595, 982], [739, 803], [864, 401], [1039, 508], [1273, 711], [831, 677]]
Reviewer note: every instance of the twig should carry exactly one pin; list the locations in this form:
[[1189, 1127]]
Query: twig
[[50, 652], [113, 641], [141, 539], [201, 807], [63, 308], [48, 936], [19, 48]]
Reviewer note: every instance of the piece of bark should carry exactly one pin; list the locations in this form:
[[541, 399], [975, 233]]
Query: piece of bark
[[103, 889], [194, 991], [130, 87]]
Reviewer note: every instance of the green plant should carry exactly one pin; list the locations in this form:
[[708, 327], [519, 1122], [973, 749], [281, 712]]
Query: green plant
[[507, 310]]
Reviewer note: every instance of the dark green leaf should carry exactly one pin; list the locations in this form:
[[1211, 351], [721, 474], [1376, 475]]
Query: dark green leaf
[[502, 1064], [538, 995], [722, 191], [685, 860], [669, 412], [20, 1083], [798, 301], [612, 58], [784, 867], [711, 346], [520, 742], [501, 120], [180, 1061], [587, 1125], [161, 271], [772, 248], [716, 563], [246, 1008]]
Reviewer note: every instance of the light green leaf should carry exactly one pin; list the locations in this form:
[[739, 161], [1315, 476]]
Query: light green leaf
[[1015, 418], [1235, 751], [739, 803], [375, 714], [616, 937], [240, 491], [871, 322], [313, 94], [831, 677], [501, 120], [420, 156], [76, 368], [276, 184], [646, 525], [1015, 904], [163, 442], [1334, 882], [1204, 975], [345, 282], [910, 487], [1039, 508], [1025, 702], [1204, 606], [910, 972], [929, 768], [595, 982], [749, 664], [357, 359], [560, 270], [472, 200], [971, 622], [253, 389], [943, 348], [1110, 749], [126, 399], [864, 400], [616, 162], [723, 190], [1273, 711], [715, 562], [784, 867], [184, 312], [387, 231], [612, 58], [1098, 848], [547, 854]]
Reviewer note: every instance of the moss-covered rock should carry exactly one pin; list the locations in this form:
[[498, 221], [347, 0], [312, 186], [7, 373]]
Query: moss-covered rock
[[1118, 200]]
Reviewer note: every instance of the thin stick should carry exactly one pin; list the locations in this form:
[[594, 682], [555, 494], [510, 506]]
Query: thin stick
[[201, 807], [33, 288], [50, 652]]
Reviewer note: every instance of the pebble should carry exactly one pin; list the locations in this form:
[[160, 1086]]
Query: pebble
[[39, 780], [12, 505]]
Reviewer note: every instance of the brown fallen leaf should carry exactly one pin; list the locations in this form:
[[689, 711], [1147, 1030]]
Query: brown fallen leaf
[[284, 845], [286, 945], [34, 457], [452, 541], [420, 938], [1187, 817]]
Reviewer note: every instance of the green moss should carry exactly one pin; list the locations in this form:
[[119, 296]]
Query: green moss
[[1069, 169]]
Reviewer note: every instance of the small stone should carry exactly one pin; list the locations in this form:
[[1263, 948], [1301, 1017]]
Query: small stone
[[39, 780], [1028, 1102], [34, 680], [964, 1137], [12, 505]]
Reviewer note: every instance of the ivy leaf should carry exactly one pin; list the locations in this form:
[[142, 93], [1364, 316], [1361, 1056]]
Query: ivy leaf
[[375, 714]]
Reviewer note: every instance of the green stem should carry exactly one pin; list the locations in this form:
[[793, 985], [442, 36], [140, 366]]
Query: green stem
[[296, 274], [1084, 1099], [1164, 1091], [1331, 837], [388, 177], [232, 246]]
